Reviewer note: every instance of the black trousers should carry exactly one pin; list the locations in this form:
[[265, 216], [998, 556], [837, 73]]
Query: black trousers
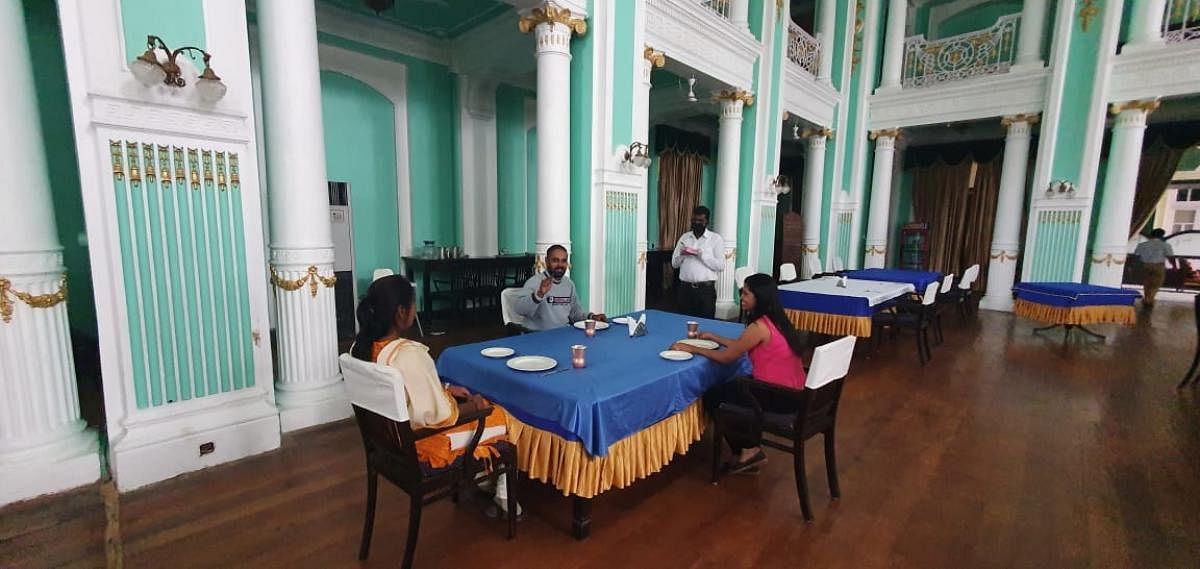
[[745, 433], [698, 301]]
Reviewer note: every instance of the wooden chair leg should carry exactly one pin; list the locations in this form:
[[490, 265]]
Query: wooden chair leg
[[919, 334], [802, 481], [925, 340], [831, 465], [510, 476], [1189, 376], [414, 528], [938, 338], [364, 548]]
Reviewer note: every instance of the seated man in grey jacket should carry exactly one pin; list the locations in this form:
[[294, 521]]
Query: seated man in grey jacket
[[549, 299]]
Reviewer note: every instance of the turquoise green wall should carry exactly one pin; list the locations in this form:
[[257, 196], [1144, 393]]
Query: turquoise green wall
[[1082, 60], [511, 169], [360, 148], [652, 198], [841, 43], [531, 189], [58, 138], [977, 17], [1190, 159], [623, 73], [746, 176], [582, 64], [432, 101], [178, 22]]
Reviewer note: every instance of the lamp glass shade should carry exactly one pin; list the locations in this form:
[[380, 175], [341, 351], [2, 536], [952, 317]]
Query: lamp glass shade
[[210, 90], [146, 72]]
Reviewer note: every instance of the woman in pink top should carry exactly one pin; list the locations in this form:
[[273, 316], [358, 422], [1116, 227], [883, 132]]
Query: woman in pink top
[[773, 346]]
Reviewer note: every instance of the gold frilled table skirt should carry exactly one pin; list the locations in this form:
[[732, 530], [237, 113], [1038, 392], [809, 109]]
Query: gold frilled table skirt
[[830, 324], [1075, 315], [550, 458]]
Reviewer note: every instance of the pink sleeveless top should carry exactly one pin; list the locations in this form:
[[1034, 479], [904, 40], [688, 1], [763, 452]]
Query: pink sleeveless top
[[774, 362]]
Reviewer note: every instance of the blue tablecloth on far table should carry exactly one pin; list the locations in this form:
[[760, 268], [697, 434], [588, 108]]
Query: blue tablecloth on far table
[[919, 279], [626, 386], [1074, 294]]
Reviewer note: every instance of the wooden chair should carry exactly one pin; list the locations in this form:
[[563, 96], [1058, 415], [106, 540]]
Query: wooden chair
[[916, 316], [381, 411], [963, 294], [1191, 376], [944, 303], [817, 407], [514, 323]]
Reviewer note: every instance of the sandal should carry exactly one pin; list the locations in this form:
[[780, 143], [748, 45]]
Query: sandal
[[494, 511], [748, 466]]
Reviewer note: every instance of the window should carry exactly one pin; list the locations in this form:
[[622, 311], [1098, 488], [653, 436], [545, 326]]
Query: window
[[1185, 220], [1187, 195]]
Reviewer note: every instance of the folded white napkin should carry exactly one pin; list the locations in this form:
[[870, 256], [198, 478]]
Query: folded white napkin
[[640, 329], [632, 323]]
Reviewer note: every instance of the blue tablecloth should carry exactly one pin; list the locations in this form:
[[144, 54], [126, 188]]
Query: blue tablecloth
[[1074, 294], [919, 279], [625, 387]]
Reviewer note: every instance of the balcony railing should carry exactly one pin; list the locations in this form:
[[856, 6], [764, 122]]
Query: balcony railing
[[983, 52], [803, 49], [1181, 21], [720, 7]]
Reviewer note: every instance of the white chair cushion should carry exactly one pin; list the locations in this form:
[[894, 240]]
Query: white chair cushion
[[375, 387], [508, 298]]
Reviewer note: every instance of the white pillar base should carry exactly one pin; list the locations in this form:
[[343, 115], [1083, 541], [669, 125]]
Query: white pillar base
[[728, 305], [77, 464], [304, 409], [997, 302]]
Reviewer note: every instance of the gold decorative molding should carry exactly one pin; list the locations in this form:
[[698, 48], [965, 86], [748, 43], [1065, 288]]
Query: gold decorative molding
[[730, 254], [1108, 260], [821, 131], [47, 300], [735, 95], [1002, 256], [1087, 11], [856, 39], [887, 132], [539, 263], [311, 278], [874, 250], [641, 260], [1030, 118], [810, 249], [656, 58], [551, 14], [1148, 105]]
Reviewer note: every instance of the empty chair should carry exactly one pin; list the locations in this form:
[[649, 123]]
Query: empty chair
[[381, 410], [964, 294], [817, 406], [944, 302], [514, 323], [787, 272], [740, 274], [916, 316], [386, 272]]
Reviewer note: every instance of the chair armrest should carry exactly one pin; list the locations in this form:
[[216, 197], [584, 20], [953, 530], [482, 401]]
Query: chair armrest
[[476, 416]]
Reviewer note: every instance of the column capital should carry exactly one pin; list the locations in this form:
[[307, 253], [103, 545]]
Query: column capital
[[1148, 105], [1029, 119], [654, 58], [731, 95], [892, 133], [549, 13], [814, 133]]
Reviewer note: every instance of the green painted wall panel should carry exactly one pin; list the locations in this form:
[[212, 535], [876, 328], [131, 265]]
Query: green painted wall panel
[[511, 169], [746, 176], [652, 199], [1075, 115], [582, 65], [531, 189], [178, 22], [978, 17], [620, 251], [360, 149], [58, 140], [623, 73]]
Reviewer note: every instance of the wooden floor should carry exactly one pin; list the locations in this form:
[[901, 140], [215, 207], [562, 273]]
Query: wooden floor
[[1006, 451]]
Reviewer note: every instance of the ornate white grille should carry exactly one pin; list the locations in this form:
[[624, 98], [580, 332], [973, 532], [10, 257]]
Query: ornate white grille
[[804, 49], [1181, 21], [721, 7], [983, 52]]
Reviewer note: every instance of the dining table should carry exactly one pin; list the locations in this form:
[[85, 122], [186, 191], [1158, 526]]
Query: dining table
[[1074, 306], [919, 279], [618, 419], [838, 306]]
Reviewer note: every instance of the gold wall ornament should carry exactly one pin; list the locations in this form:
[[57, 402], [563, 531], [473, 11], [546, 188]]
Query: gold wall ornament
[[1148, 105], [886, 133], [207, 159], [221, 185], [164, 165], [1029, 118], [731, 254], [875, 250], [735, 95], [810, 249], [118, 163], [234, 180], [641, 260], [194, 165], [310, 278], [1087, 12], [148, 160], [656, 58], [1002, 256], [47, 300], [1108, 260], [819, 131], [135, 171], [551, 14], [180, 172]]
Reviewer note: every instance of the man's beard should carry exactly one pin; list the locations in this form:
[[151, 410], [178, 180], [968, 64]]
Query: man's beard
[[558, 273]]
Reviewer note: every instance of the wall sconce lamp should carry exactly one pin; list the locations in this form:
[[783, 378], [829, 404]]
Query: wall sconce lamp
[[1060, 188], [638, 155], [781, 184], [149, 70], [691, 96]]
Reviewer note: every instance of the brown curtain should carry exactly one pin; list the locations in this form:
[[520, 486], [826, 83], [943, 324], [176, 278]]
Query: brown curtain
[[678, 192], [960, 212], [980, 220], [1158, 165]]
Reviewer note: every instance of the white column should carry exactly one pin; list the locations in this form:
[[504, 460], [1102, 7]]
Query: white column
[[308, 387], [552, 29], [1006, 230], [810, 206], [1145, 28], [893, 44], [739, 13], [729, 146], [1107, 260], [1029, 42], [827, 27], [641, 133], [881, 199], [477, 144], [44, 444]]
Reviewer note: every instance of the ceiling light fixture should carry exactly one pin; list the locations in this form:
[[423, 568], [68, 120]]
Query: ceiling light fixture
[[149, 70]]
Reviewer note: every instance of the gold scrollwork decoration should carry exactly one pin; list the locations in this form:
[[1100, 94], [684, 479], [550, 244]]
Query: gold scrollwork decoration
[[234, 179], [1028, 118], [810, 249], [656, 58], [47, 300], [1002, 256], [731, 254], [1087, 12], [311, 278], [1148, 105], [1108, 260], [641, 260], [135, 170], [819, 131], [551, 14], [885, 133], [876, 250], [735, 95], [118, 166]]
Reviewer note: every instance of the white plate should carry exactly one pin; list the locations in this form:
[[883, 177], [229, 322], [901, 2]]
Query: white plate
[[531, 363], [599, 325], [497, 352], [702, 344], [621, 320], [675, 355]]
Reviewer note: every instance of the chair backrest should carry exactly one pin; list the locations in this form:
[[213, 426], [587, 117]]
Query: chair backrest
[[380, 273], [812, 263], [375, 387], [947, 283], [969, 277], [787, 272], [508, 298], [830, 362], [837, 264], [740, 274], [930, 295]]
